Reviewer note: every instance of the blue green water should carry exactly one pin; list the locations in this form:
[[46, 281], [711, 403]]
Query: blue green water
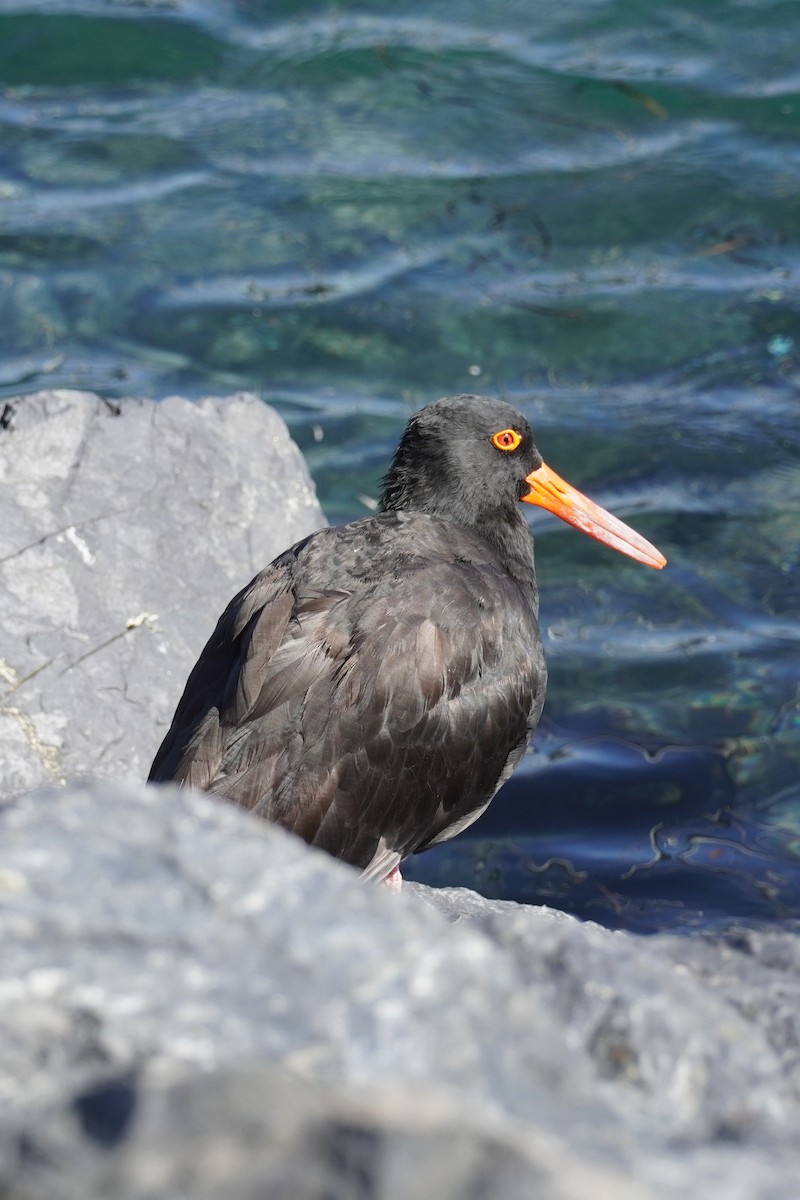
[[589, 208]]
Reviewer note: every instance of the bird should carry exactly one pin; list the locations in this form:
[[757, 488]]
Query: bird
[[375, 685]]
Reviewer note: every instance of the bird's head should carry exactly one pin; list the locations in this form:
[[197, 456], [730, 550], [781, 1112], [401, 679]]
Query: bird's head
[[470, 459]]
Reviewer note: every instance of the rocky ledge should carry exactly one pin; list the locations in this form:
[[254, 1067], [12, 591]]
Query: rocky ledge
[[193, 1003], [126, 526]]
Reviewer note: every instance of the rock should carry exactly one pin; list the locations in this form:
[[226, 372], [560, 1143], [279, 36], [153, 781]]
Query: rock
[[127, 526], [176, 971], [690, 1039], [255, 1132], [191, 999]]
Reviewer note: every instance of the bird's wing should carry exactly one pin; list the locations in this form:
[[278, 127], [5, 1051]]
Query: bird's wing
[[431, 713], [369, 721], [225, 678]]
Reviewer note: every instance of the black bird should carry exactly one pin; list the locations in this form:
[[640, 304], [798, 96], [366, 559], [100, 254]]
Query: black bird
[[379, 681]]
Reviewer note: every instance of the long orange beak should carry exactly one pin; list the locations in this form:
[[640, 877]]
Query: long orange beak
[[550, 491]]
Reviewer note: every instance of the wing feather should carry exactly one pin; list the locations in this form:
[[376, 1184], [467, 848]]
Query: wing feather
[[372, 719]]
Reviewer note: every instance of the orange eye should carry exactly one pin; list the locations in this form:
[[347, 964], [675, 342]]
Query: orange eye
[[506, 439]]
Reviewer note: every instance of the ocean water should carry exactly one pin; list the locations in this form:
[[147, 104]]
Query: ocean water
[[590, 209]]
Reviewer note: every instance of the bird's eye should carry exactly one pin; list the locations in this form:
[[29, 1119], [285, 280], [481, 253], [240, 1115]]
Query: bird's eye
[[506, 439]]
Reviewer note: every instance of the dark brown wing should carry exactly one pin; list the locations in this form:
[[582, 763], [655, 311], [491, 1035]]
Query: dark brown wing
[[225, 679], [371, 720]]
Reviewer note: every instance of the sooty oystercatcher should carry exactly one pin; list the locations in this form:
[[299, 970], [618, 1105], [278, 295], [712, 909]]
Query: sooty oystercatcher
[[378, 682]]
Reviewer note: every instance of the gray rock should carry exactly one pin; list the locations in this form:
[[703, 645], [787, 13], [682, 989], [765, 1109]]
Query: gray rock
[[254, 1132], [188, 996], [126, 528], [704, 1033], [169, 944]]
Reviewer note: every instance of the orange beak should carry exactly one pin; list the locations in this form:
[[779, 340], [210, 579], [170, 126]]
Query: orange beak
[[550, 491]]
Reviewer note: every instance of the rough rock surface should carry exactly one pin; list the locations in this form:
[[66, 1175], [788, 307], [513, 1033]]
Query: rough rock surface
[[192, 1002], [126, 528]]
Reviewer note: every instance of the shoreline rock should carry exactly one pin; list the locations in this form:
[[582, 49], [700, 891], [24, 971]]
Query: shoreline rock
[[184, 986], [127, 527]]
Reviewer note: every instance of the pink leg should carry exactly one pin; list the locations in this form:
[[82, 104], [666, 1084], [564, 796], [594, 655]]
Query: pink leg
[[394, 880]]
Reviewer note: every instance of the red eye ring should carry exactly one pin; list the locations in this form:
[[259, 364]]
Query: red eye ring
[[506, 439]]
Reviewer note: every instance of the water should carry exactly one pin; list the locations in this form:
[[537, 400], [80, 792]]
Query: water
[[588, 208]]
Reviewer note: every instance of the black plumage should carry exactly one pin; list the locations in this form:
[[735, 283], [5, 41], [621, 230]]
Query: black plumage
[[377, 683]]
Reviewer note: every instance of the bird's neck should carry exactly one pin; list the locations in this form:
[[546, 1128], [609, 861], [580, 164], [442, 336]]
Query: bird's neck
[[510, 538], [504, 528]]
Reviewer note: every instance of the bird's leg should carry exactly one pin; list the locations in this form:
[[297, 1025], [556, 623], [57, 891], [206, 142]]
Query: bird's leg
[[394, 880]]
